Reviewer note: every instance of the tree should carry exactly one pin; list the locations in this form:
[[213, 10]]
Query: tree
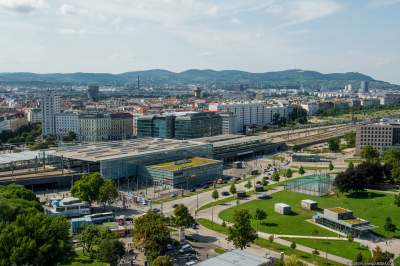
[[248, 184], [88, 187], [152, 234], [383, 258], [350, 238], [163, 261], [350, 139], [182, 216], [351, 165], [334, 144], [331, 167], [232, 189], [215, 194], [293, 245], [391, 156], [34, 239], [241, 233], [395, 172], [349, 181], [369, 154], [111, 251], [87, 238], [301, 170], [276, 176], [360, 177], [389, 225], [107, 192], [289, 173], [259, 216], [359, 259]]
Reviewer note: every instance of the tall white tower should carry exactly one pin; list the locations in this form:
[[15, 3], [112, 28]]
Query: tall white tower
[[51, 105]]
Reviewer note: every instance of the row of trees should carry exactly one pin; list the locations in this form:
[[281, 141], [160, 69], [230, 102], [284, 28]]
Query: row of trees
[[298, 115], [25, 134]]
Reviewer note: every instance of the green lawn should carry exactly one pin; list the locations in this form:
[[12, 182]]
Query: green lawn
[[372, 206], [294, 224], [249, 193], [342, 248], [397, 261], [316, 260]]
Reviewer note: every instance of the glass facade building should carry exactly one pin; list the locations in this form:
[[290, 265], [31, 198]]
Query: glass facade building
[[198, 125]]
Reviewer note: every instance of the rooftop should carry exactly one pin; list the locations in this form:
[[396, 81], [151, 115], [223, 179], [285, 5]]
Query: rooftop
[[234, 258], [183, 164], [108, 150], [338, 210]]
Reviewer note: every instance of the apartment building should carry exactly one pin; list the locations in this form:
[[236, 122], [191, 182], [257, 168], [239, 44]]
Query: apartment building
[[121, 126], [380, 135], [50, 105], [12, 122], [67, 122], [95, 127], [250, 114], [33, 115]]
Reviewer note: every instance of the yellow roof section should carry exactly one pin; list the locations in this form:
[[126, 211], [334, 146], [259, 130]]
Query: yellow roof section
[[183, 164], [338, 210]]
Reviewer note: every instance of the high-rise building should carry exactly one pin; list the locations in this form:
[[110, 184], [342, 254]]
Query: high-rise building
[[364, 86], [197, 92], [50, 105], [93, 92]]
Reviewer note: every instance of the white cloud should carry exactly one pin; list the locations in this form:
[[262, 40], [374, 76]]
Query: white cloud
[[22, 6], [300, 11], [67, 9]]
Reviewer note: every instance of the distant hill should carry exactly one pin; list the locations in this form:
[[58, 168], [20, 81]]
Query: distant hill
[[294, 77]]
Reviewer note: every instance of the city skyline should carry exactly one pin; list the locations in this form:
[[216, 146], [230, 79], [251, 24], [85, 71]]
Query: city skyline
[[257, 36]]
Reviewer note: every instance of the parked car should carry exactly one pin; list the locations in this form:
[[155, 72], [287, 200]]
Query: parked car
[[263, 196], [225, 193], [185, 248]]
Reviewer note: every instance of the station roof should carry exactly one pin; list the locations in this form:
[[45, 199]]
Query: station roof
[[108, 150], [234, 258], [23, 156], [184, 164], [231, 139]]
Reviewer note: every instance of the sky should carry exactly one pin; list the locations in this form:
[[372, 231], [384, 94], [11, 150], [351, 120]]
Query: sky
[[116, 36]]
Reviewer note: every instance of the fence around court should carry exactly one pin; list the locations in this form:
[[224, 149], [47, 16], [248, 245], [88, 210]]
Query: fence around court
[[316, 185]]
